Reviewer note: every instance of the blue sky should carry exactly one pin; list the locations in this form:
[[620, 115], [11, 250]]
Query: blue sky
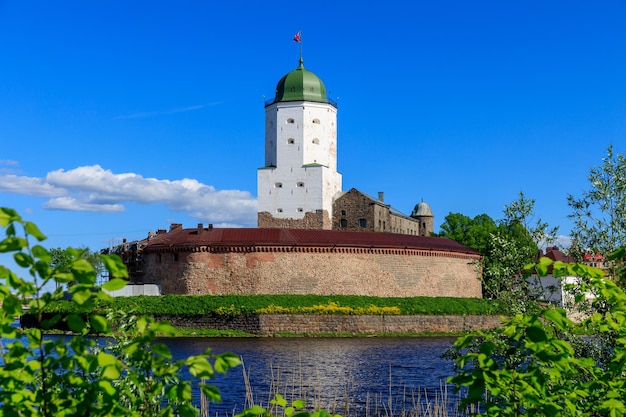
[[119, 118]]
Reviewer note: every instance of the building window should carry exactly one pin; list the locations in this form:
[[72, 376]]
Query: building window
[[291, 141], [316, 141], [158, 257], [300, 209], [278, 185], [343, 212], [343, 223], [316, 121], [290, 120], [279, 210], [175, 257], [363, 223], [300, 184]]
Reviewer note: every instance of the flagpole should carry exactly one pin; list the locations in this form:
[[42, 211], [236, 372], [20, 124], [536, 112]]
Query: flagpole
[[300, 32]]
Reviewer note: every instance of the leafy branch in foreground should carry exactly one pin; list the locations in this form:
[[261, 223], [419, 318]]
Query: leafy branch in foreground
[[75, 375], [535, 365]]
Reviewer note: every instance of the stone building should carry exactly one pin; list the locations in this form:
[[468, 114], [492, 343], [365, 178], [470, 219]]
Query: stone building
[[357, 211], [206, 260], [373, 250]]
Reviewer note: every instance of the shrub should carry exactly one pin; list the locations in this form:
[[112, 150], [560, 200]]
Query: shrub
[[74, 375]]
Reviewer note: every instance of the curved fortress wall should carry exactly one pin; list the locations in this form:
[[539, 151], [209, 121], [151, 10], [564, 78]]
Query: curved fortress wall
[[261, 264]]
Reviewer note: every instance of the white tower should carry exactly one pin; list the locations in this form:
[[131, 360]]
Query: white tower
[[297, 185]]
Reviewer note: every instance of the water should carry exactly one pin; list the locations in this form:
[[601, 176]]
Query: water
[[328, 372]]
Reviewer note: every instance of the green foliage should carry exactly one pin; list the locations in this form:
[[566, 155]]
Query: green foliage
[[506, 246], [131, 376], [474, 233], [534, 365], [278, 404], [599, 215], [233, 305]]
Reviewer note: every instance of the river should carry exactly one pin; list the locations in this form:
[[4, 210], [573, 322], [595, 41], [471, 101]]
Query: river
[[349, 376]]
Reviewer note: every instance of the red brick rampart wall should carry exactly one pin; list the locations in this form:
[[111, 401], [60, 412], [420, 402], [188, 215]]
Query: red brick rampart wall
[[311, 270]]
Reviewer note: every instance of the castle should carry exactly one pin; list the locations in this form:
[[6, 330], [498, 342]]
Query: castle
[[312, 238]]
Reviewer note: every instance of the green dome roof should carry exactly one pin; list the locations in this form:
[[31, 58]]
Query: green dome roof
[[300, 85]]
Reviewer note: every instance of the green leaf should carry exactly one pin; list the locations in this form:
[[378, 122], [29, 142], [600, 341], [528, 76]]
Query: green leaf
[[298, 404], [225, 361], [213, 394], [76, 323], [99, 324], [110, 372], [115, 266], [536, 334], [200, 367], [81, 294], [115, 284], [107, 387], [34, 231], [8, 215], [24, 260], [162, 350], [106, 359], [557, 316], [279, 400]]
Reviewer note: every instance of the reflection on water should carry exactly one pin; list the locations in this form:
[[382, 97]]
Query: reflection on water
[[327, 372]]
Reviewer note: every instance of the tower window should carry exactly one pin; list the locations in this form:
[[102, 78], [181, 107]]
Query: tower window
[[316, 141], [343, 212], [300, 209], [290, 120], [316, 121], [278, 185], [343, 223], [291, 141], [279, 210], [300, 184]]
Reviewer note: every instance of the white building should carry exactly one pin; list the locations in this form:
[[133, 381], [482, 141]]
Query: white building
[[297, 185]]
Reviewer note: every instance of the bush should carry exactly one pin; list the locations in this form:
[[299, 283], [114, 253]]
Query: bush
[[131, 376], [535, 365]]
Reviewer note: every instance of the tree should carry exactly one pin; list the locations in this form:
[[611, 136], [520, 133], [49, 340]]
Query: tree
[[473, 233], [506, 246], [599, 215], [62, 258]]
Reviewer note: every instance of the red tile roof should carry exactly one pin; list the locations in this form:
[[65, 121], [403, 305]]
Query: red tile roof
[[301, 237]]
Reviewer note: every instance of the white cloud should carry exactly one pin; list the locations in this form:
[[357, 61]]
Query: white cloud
[[93, 188]]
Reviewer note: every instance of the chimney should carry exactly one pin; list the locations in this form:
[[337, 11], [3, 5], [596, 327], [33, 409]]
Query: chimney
[[210, 227], [175, 226], [381, 196], [161, 231], [200, 228]]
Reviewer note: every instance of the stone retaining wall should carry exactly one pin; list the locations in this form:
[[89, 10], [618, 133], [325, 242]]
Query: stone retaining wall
[[268, 324]]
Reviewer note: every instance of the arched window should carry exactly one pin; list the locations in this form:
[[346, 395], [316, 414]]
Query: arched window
[[316, 141], [300, 209], [278, 185], [316, 121], [300, 184], [290, 120], [291, 141], [279, 210]]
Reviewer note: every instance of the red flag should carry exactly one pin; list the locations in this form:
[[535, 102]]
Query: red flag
[[297, 36]]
